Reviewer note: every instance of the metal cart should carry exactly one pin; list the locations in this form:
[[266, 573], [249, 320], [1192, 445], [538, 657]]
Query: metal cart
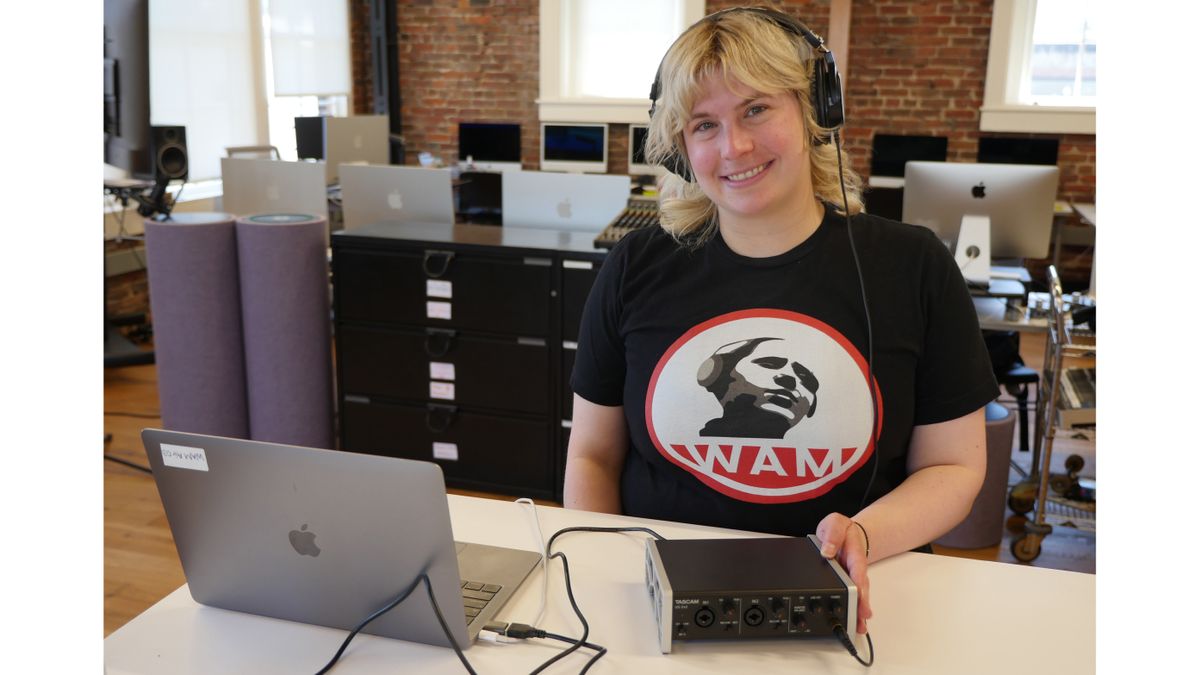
[[1048, 495]]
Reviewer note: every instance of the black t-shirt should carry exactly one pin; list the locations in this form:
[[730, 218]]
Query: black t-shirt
[[744, 380]]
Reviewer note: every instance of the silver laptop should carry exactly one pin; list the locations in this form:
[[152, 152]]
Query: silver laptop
[[562, 200], [358, 139], [325, 537], [373, 194], [254, 186]]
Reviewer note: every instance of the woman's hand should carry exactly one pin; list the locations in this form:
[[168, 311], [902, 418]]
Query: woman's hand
[[841, 538]]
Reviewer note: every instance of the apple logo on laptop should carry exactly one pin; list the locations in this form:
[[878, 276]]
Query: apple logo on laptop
[[273, 193], [304, 541], [977, 191], [564, 208], [395, 200]]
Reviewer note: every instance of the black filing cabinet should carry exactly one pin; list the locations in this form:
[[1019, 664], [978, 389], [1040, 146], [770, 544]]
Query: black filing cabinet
[[454, 345]]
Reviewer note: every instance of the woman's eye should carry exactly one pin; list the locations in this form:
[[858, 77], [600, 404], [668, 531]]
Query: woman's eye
[[755, 109], [703, 126]]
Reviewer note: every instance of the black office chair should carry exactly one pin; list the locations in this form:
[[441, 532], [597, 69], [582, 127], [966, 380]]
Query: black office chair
[[479, 197], [1012, 374]]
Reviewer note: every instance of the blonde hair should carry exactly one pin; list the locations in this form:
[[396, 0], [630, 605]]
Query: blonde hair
[[751, 48]]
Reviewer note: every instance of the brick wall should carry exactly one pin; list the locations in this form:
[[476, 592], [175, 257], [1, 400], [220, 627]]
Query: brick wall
[[915, 67]]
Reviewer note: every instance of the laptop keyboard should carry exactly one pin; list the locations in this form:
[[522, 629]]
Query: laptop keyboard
[[476, 596]]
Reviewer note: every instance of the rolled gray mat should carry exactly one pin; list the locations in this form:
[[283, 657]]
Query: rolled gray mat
[[191, 262], [285, 325]]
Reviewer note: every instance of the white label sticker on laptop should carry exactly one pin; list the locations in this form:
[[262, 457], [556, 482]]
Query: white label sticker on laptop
[[442, 390], [437, 310], [439, 289], [445, 451], [441, 371], [183, 457]]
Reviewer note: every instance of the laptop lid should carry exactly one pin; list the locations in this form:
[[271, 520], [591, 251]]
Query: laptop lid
[[359, 139], [316, 536], [562, 200], [255, 186], [401, 194]]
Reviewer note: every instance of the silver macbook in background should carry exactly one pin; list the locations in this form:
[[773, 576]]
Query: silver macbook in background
[[253, 186], [562, 200], [359, 139], [325, 537], [373, 194]]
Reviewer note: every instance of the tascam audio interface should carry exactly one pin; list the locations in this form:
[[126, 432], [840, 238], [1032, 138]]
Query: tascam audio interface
[[728, 589]]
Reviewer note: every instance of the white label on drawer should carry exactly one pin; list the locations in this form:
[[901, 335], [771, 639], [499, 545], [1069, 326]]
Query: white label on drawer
[[577, 265], [442, 390], [445, 451], [439, 289], [437, 310], [183, 457], [441, 371]]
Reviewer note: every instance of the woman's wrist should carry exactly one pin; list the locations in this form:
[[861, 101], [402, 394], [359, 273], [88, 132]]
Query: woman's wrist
[[866, 538]]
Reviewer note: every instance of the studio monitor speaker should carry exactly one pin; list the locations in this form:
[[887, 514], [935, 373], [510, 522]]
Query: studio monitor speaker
[[168, 152]]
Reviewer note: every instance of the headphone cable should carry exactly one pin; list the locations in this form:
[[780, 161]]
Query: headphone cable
[[870, 337]]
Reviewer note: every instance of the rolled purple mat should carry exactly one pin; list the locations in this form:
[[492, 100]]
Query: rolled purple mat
[[285, 327], [191, 262]]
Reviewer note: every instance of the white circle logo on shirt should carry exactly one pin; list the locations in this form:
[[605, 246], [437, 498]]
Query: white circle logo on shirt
[[763, 405]]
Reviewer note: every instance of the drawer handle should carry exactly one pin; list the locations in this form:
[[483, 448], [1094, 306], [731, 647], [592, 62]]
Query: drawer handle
[[438, 342], [440, 417], [442, 257]]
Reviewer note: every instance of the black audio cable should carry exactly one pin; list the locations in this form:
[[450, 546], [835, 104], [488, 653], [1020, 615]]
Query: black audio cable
[[389, 607], [837, 139], [844, 638]]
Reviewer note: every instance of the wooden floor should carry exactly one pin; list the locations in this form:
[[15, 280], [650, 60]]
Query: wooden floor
[[141, 565]]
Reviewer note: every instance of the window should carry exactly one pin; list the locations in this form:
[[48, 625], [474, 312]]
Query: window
[[199, 79], [598, 57], [1041, 74], [237, 72]]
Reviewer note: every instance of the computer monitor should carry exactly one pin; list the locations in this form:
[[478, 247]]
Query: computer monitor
[[359, 139], [489, 146], [310, 137], [1004, 150], [574, 148], [127, 87], [890, 152], [1017, 199], [637, 153]]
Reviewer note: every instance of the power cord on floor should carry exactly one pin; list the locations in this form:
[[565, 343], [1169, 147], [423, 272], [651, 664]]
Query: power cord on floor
[[117, 413], [132, 465]]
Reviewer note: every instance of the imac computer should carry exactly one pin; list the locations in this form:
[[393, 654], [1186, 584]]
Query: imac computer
[[574, 148], [489, 147], [983, 210], [637, 153], [360, 139]]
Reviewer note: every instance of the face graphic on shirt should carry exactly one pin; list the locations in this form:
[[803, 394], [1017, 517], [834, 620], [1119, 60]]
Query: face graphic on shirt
[[733, 401], [763, 388]]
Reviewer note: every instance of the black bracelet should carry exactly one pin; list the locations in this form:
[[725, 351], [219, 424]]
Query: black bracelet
[[865, 538]]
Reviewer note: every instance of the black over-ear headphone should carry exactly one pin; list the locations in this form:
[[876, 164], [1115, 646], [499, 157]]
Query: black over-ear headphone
[[826, 83]]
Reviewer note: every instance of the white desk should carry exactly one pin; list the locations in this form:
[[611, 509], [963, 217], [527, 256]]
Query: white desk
[[933, 614]]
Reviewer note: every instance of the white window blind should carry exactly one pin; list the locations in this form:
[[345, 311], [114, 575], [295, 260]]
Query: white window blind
[[612, 56], [310, 47], [202, 77], [598, 57]]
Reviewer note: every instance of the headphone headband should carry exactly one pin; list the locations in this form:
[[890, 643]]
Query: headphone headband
[[826, 90]]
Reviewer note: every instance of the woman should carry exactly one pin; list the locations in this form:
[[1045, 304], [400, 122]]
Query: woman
[[727, 373]]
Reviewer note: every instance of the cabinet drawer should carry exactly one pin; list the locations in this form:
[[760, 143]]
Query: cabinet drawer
[[577, 279], [474, 450], [498, 295], [503, 374]]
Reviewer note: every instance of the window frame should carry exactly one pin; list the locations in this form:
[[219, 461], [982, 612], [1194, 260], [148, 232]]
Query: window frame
[[554, 51], [1008, 55]]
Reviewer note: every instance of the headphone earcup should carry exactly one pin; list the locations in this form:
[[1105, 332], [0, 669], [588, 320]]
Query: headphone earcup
[[676, 164], [827, 94]]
